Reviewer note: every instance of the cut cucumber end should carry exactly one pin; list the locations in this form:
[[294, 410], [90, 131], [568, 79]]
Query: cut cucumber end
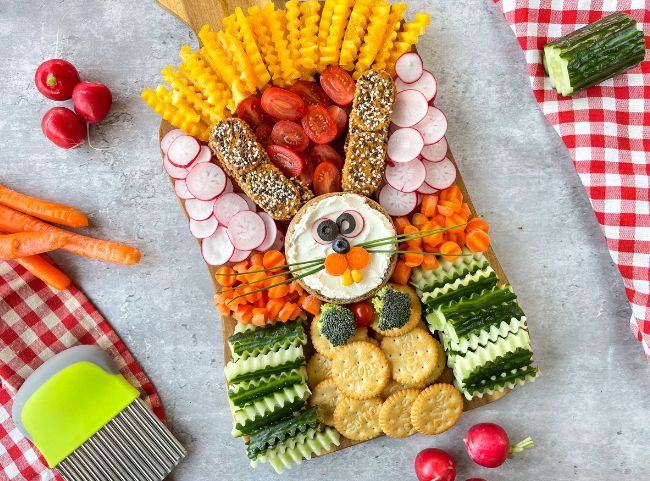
[[558, 70]]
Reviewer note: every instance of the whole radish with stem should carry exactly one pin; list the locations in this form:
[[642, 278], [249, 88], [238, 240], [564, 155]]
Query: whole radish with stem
[[488, 445], [434, 464]]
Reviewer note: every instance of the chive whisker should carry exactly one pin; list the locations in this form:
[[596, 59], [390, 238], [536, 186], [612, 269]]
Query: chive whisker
[[314, 261], [418, 252], [287, 272], [266, 288]]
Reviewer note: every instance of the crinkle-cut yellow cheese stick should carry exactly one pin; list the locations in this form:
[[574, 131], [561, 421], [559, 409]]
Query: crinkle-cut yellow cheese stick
[[294, 23], [214, 91], [330, 53], [258, 21], [183, 90], [354, 33], [255, 58], [324, 29], [240, 60], [309, 50], [394, 23], [408, 37], [375, 34], [277, 22], [160, 102]]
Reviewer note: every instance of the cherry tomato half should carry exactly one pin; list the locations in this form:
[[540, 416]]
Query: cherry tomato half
[[250, 111], [285, 159], [327, 179], [263, 133], [307, 175], [311, 93], [338, 85], [289, 134], [340, 118], [325, 153], [318, 124], [281, 104], [364, 313]]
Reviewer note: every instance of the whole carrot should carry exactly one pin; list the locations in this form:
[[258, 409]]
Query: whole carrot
[[45, 271], [14, 221], [43, 209], [22, 244]]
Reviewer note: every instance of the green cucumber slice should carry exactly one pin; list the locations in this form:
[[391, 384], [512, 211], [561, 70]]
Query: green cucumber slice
[[261, 341], [245, 392]]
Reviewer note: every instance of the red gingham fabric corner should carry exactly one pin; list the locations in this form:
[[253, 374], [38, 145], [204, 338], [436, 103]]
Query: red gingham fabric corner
[[37, 322], [607, 131]]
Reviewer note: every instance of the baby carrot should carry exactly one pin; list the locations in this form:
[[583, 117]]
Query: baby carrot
[[429, 204], [45, 271], [477, 223], [311, 304], [43, 209], [13, 221], [418, 219], [478, 240], [448, 249], [429, 262], [401, 223], [224, 276], [257, 258], [25, 244], [401, 274], [413, 260], [432, 239], [273, 258]]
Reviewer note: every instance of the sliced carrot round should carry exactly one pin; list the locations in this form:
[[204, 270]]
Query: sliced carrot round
[[336, 264], [450, 251], [357, 258], [477, 241]]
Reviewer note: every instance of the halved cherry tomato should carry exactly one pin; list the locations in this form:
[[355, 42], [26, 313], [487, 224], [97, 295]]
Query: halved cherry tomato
[[250, 110], [318, 124], [281, 104], [338, 85], [263, 133], [307, 175], [340, 118], [289, 134], [311, 93], [364, 313], [325, 153], [285, 159], [327, 179]]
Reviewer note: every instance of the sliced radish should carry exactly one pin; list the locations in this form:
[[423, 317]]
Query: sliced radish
[[173, 171], [239, 256], [426, 84], [426, 189], [405, 176], [206, 181], [392, 128], [226, 206], [278, 245], [168, 138], [410, 108], [359, 224], [252, 206], [440, 175], [433, 127], [435, 152], [203, 228], [180, 187], [409, 67], [397, 203], [199, 209], [271, 232], [404, 145], [183, 151], [246, 230], [205, 155], [229, 186], [217, 248]]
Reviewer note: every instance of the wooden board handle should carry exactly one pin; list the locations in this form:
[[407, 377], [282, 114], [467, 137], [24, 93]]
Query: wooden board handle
[[196, 13]]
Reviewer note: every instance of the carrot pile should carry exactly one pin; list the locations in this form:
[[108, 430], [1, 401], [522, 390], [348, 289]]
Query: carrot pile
[[24, 235], [253, 293], [445, 209]]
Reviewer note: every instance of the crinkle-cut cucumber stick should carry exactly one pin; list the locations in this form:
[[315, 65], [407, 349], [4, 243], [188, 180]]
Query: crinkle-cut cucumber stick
[[594, 53], [262, 341], [246, 392], [498, 384], [264, 364]]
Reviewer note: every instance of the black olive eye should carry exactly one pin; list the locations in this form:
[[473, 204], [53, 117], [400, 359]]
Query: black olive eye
[[350, 223], [325, 230]]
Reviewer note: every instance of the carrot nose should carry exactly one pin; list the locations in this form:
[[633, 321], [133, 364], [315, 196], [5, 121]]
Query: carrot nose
[[338, 264]]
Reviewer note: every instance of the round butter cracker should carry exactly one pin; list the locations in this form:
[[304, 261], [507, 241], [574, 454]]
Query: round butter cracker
[[358, 419], [395, 413], [319, 368], [326, 396], [360, 369], [436, 409], [412, 357]]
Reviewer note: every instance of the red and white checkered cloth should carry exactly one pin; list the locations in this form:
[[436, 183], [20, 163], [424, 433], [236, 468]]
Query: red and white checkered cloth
[[37, 322], [607, 131]]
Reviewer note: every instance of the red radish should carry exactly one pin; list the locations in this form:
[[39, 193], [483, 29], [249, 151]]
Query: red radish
[[92, 101], [180, 187], [410, 108], [205, 155], [488, 445], [199, 209], [409, 67], [433, 127], [426, 84], [201, 229], [173, 171], [206, 181], [435, 152], [278, 245], [426, 189], [252, 206], [440, 175], [226, 206], [405, 176], [246, 230], [397, 203], [56, 79], [434, 464], [271, 232], [229, 187], [239, 256], [183, 151], [168, 138], [404, 145], [63, 128], [217, 248]]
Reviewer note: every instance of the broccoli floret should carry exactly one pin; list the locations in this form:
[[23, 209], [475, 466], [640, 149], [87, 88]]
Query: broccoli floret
[[393, 308], [336, 324]]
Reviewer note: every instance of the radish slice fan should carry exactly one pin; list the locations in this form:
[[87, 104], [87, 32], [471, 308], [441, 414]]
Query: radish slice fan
[[397, 203], [217, 248], [179, 173], [271, 232], [404, 145], [180, 187], [203, 228], [169, 138], [246, 230], [435, 152], [405, 176], [206, 181], [426, 84], [410, 108], [433, 127], [226, 206], [440, 175], [409, 67], [183, 151], [239, 256], [199, 209]]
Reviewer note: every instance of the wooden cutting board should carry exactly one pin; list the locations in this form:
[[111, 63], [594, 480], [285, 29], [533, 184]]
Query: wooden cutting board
[[196, 13]]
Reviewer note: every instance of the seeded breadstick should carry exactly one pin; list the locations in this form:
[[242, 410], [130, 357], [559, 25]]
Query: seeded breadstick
[[373, 101], [364, 163], [246, 161]]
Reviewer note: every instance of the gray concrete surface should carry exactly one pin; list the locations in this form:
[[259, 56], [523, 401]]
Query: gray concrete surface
[[588, 413]]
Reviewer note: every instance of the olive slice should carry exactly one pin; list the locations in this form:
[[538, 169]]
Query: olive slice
[[324, 230]]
